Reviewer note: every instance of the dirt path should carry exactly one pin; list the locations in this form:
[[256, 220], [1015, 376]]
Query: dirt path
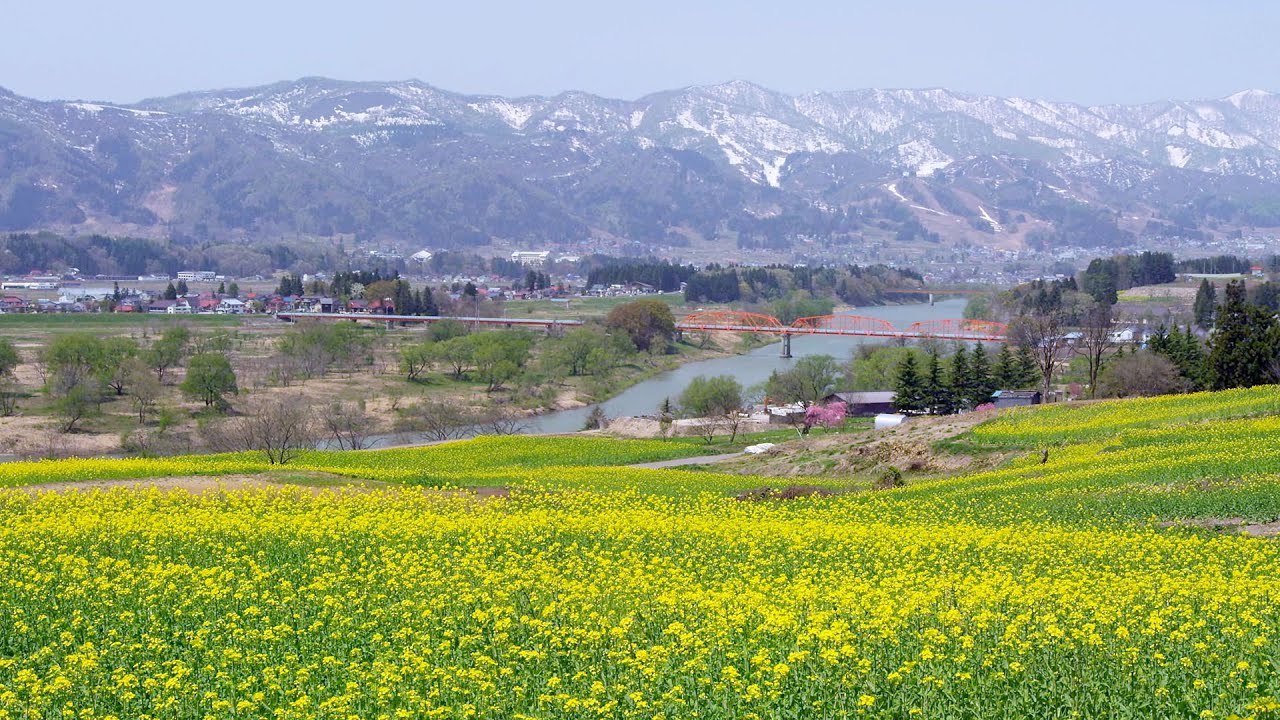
[[698, 460]]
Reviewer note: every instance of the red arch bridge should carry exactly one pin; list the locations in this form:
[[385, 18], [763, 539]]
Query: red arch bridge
[[733, 321]]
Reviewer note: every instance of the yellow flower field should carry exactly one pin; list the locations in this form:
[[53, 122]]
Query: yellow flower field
[[1040, 589]]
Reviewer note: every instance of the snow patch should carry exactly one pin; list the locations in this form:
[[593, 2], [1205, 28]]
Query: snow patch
[[773, 171], [1178, 157], [95, 108], [1059, 143], [511, 114], [922, 157], [1238, 99], [994, 225]]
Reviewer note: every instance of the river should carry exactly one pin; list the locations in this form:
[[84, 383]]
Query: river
[[750, 368]]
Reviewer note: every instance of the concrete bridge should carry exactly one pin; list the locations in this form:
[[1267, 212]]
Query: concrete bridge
[[730, 321]]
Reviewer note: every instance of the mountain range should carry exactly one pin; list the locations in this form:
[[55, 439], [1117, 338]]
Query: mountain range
[[408, 163]]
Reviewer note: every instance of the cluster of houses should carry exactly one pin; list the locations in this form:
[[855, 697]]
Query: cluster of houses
[[877, 403], [128, 302]]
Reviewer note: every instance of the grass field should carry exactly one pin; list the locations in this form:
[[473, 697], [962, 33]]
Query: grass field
[[21, 327], [1104, 579], [586, 307]]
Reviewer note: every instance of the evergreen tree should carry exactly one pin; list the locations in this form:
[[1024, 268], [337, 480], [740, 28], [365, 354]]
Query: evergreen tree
[[182, 288], [222, 288], [170, 292], [939, 399], [1007, 373], [1028, 375], [1159, 340], [1267, 295], [909, 395], [982, 382], [961, 377], [1203, 309], [115, 291], [403, 298], [233, 289], [1243, 345], [429, 307], [1183, 349]]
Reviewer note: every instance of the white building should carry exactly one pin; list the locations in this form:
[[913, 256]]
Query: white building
[[231, 306], [198, 275], [536, 258]]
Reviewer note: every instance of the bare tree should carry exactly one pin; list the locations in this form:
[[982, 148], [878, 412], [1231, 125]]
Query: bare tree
[[144, 389], [441, 420], [280, 428], [1141, 375], [348, 423], [501, 421], [1095, 340], [9, 391], [1043, 333]]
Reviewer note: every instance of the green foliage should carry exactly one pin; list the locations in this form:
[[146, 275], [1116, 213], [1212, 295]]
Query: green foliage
[[981, 378], [961, 377], [979, 307], [1243, 349], [798, 304], [498, 357], [812, 378], [581, 351], [649, 323], [9, 357], [1184, 350], [117, 352], [711, 396], [316, 348], [417, 359], [939, 397], [875, 367], [447, 329], [1105, 276], [167, 352], [210, 378], [909, 389], [1205, 305]]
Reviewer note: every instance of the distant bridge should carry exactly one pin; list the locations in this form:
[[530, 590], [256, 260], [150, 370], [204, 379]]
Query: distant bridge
[[848, 325], [936, 291], [731, 321]]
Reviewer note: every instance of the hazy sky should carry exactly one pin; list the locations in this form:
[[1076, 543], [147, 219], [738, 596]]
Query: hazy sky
[[1084, 51]]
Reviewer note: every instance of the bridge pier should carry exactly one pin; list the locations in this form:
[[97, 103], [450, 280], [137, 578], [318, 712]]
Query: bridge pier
[[786, 345]]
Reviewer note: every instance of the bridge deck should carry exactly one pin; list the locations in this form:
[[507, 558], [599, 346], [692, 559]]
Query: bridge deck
[[945, 330]]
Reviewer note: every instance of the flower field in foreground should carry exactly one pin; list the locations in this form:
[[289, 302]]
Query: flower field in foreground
[[436, 465], [1040, 589], [1075, 423]]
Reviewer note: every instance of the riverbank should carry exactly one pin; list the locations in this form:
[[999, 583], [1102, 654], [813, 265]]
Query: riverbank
[[383, 394]]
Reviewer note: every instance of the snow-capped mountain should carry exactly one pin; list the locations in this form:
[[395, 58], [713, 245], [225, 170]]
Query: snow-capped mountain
[[400, 159]]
